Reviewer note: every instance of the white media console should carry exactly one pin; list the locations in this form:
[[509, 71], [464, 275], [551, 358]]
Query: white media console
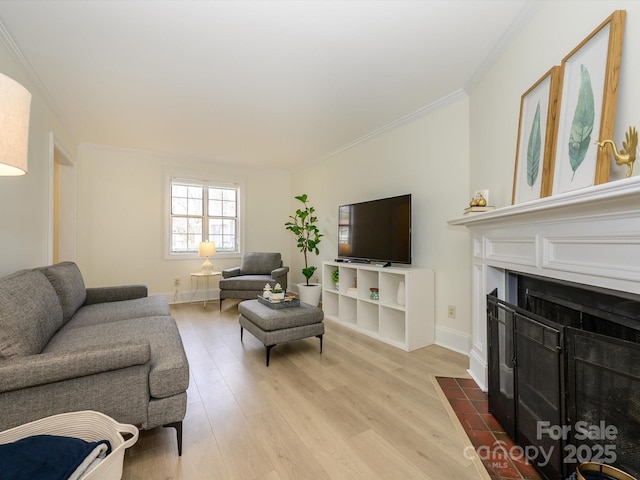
[[409, 326]]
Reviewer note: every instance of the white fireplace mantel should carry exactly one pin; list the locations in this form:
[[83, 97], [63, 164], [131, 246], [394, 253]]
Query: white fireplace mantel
[[589, 236]]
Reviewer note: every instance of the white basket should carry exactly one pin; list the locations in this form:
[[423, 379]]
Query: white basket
[[89, 426]]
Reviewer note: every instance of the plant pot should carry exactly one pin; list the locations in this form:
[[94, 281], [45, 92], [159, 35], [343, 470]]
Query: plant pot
[[277, 296], [310, 294]]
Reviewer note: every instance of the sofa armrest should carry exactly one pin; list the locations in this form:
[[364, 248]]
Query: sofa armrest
[[115, 294], [231, 272], [23, 372]]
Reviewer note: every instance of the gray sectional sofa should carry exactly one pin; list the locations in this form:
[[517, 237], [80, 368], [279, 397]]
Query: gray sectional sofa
[[64, 347]]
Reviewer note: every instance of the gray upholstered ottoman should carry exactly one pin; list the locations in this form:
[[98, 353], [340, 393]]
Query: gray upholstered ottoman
[[272, 326]]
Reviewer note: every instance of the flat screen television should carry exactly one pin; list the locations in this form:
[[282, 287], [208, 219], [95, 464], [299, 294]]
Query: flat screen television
[[376, 231]]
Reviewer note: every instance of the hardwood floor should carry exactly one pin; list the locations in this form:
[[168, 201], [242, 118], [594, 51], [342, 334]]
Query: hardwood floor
[[361, 409]]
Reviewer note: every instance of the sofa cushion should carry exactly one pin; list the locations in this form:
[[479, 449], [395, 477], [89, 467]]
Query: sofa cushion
[[169, 373], [30, 313], [155, 305], [257, 263], [276, 319], [67, 280]]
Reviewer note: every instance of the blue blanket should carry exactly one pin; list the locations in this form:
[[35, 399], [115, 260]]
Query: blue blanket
[[45, 457]]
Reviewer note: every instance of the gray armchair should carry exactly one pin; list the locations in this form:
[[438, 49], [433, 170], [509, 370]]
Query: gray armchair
[[247, 281]]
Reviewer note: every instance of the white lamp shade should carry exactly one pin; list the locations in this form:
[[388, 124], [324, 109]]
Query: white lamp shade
[[207, 249], [15, 105]]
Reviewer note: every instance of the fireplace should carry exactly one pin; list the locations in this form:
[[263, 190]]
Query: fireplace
[[588, 237], [563, 372]]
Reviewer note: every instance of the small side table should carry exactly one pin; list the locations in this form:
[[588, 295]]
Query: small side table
[[197, 276]]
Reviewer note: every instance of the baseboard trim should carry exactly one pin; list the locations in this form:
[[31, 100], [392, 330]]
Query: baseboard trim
[[185, 296], [478, 370], [453, 340]]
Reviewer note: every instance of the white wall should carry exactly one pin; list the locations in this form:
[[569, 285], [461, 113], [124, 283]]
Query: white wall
[[445, 156], [556, 29], [427, 157], [25, 238], [122, 221], [440, 158]]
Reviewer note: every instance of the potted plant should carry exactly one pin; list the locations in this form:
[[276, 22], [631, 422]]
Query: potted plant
[[277, 293], [335, 278], [303, 225]]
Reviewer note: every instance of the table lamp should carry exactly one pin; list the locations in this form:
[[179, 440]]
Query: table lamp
[[207, 249]]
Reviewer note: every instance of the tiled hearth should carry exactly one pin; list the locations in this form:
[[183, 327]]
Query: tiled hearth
[[496, 450]]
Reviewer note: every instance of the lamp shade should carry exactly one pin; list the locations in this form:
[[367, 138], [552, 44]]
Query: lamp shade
[[207, 249], [15, 105]]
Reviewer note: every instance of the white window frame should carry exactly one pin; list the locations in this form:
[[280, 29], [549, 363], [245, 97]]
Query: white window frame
[[205, 183]]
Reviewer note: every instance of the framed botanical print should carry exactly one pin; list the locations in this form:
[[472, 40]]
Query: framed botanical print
[[536, 133], [587, 111]]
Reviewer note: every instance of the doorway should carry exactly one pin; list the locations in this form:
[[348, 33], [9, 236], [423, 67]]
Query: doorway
[[63, 244]]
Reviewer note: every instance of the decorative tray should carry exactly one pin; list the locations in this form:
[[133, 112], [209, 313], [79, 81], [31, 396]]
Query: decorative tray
[[289, 301]]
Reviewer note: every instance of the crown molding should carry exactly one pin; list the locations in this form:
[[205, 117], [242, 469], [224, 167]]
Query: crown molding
[[421, 112], [526, 14], [7, 40]]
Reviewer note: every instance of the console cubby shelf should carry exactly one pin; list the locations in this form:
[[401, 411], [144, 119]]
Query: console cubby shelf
[[408, 326]]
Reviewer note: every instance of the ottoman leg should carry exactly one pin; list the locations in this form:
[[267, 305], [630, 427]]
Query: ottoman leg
[[241, 332], [320, 337]]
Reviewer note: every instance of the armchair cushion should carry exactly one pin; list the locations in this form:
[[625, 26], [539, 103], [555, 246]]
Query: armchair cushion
[[260, 263], [248, 282]]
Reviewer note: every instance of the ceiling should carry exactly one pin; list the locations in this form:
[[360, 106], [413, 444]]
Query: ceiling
[[276, 84]]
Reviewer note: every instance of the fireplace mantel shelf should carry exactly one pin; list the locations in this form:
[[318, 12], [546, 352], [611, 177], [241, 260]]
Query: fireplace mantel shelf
[[617, 190]]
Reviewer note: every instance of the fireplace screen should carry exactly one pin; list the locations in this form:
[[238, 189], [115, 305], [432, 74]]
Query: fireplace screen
[[540, 394], [604, 397], [525, 381], [564, 374], [501, 377]]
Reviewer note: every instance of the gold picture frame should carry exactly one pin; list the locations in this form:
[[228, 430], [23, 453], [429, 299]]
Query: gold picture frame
[[536, 139], [587, 111]]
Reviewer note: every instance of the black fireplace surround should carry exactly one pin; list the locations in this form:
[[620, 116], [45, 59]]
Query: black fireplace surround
[[564, 373]]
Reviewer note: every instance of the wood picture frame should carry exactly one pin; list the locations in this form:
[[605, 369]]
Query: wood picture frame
[[587, 112], [536, 139]]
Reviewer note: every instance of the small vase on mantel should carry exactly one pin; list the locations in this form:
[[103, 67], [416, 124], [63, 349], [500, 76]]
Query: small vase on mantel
[[400, 297]]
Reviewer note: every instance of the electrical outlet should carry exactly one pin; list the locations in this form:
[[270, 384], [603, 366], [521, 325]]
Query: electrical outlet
[[451, 311], [176, 282]]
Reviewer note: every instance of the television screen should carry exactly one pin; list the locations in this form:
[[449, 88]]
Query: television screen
[[377, 230]]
